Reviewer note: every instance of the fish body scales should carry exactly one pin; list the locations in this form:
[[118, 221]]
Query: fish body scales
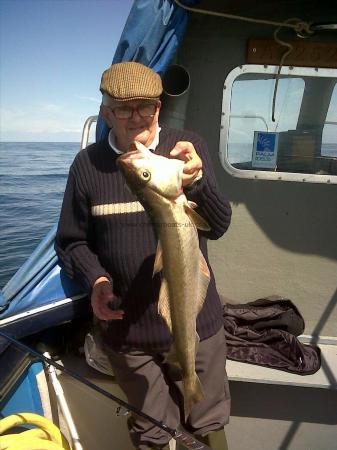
[[180, 253]]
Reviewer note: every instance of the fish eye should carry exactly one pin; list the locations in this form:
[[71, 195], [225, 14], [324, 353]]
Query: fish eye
[[146, 175]]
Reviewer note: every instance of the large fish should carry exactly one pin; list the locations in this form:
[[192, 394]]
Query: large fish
[[157, 183]]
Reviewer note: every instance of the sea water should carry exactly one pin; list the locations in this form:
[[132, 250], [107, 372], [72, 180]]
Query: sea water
[[33, 176]]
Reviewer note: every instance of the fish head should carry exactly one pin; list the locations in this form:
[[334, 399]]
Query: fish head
[[135, 169], [143, 169]]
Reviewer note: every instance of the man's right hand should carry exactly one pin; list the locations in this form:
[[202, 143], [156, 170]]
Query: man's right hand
[[101, 297]]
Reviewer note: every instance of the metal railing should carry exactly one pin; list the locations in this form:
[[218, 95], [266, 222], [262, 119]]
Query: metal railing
[[86, 130]]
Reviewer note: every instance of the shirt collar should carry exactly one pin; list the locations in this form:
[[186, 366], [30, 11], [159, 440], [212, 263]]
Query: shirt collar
[[152, 146]]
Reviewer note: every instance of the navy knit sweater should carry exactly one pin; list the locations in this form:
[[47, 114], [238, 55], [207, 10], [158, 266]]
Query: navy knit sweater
[[103, 232]]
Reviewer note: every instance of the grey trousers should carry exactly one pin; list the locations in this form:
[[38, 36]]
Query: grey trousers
[[148, 385]]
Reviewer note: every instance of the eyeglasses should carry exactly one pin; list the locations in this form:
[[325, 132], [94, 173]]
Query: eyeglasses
[[126, 112]]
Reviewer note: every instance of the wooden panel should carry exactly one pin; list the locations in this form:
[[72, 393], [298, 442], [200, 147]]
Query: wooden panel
[[305, 54]]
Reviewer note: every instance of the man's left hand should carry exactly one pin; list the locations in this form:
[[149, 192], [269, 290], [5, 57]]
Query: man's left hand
[[186, 152]]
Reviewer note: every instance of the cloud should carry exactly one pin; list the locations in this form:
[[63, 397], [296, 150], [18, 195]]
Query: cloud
[[90, 99], [47, 136], [11, 114], [42, 123], [51, 107]]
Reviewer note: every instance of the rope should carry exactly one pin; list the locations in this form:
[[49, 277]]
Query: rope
[[300, 27], [285, 54]]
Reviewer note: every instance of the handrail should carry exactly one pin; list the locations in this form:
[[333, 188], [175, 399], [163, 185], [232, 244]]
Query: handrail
[[86, 130]]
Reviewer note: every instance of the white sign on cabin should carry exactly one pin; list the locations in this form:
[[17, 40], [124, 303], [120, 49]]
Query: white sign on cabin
[[265, 149]]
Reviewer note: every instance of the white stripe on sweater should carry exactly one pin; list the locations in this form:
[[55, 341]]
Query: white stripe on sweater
[[116, 208]]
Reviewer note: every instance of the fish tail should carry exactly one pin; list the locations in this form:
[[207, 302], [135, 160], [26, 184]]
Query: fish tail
[[193, 393]]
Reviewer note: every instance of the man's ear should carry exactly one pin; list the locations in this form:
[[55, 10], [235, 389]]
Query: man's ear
[[158, 109]]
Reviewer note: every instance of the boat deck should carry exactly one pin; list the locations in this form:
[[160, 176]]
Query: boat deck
[[109, 427]]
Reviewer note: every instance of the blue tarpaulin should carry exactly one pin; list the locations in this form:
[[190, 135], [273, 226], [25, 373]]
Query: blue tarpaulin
[[40, 281], [151, 36]]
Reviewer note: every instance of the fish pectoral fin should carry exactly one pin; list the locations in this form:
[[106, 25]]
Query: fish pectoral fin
[[158, 260], [191, 204], [198, 221], [164, 305], [204, 278], [204, 266]]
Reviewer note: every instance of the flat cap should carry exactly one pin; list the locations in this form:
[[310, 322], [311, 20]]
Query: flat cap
[[130, 80]]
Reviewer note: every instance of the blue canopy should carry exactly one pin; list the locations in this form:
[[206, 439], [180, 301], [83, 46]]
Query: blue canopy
[[40, 281], [151, 36]]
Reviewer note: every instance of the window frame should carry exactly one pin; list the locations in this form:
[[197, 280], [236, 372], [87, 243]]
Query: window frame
[[225, 116]]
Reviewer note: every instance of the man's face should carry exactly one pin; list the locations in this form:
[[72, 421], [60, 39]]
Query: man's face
[[134, 120]]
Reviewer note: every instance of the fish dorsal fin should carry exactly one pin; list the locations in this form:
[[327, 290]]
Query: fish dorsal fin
[[199, 221], [164, 304], [158, 260], [204, 277]]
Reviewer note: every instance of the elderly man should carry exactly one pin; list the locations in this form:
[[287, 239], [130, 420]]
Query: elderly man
[[106, 241]]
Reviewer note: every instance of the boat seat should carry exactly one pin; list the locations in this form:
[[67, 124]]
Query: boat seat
[[324, 378]]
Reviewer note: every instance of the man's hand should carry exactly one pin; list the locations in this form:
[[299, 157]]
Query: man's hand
[[101, 297], [186, 152]]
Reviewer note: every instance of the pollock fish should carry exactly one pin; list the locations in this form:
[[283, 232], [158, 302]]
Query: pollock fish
[[157, 183]]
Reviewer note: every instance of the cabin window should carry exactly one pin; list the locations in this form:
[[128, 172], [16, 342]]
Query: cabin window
[[296, 140], [329, 136]]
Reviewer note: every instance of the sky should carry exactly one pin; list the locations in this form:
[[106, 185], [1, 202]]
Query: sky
[[52, 55]]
